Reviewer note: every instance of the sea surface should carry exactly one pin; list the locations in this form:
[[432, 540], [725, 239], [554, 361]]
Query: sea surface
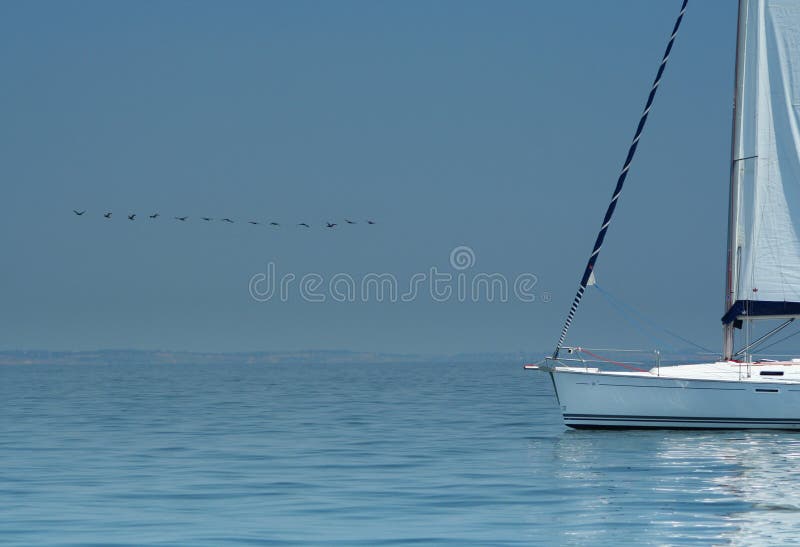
[[364, 455]]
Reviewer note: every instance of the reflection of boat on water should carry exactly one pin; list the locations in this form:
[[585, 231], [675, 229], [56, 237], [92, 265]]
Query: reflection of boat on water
[[672, 487], [765, 505], [763, 267]]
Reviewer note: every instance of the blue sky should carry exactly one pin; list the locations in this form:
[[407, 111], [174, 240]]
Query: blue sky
[[496, 125]]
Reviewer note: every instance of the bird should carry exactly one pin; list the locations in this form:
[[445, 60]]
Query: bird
[[330, 224], [107, 215], [350, 221], [182, 219], [227, 220], [253, 222], [304, 224], [79, 213], [370, 222], [132, 216], [274, 224], [207, 218], [155, 215]]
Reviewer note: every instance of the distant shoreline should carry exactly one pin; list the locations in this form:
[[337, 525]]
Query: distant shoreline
[[166, 357], [327, 357]]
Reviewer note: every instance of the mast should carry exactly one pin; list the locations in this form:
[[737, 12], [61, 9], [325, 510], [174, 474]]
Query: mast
[[736, 168]]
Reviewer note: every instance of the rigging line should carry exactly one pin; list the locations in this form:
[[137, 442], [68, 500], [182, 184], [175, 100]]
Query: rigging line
[[621, 309], [781, 340], [754, 345], [620, 183], [652, 324], [618, 363]]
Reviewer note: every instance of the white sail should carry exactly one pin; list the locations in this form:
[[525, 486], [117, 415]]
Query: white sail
[[766, 265]]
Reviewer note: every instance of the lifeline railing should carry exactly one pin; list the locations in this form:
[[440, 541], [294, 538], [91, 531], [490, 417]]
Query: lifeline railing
[[580, 354]]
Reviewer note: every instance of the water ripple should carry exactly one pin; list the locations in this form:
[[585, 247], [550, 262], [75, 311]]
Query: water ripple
[[363, 455]]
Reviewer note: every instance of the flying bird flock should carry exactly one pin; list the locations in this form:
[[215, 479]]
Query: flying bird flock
[[304, 225]]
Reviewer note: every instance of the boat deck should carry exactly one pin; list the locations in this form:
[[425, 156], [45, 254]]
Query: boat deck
[[764, 371]]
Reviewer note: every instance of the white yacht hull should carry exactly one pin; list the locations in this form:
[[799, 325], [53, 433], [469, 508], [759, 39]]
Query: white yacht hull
[[590, 398]]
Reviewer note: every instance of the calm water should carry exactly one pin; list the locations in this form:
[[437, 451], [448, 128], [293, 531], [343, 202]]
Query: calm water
[[360, 454]]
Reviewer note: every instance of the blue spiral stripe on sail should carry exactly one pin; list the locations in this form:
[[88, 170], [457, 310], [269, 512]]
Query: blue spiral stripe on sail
[[620, 183]]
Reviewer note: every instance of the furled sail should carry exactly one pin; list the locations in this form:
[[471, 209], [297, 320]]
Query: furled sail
[[765, 261]]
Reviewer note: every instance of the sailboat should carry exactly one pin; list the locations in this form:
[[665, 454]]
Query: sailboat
[[762, 283]]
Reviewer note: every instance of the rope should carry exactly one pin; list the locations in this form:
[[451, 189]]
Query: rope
[[621, 305], [781, 340], [621, 309], [752, 346], [620, 183], [618, 363]]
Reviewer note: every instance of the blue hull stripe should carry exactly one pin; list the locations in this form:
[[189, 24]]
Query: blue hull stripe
[[679, 419]]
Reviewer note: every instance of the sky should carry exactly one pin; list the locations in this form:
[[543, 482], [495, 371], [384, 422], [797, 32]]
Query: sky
[[496, 126]]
